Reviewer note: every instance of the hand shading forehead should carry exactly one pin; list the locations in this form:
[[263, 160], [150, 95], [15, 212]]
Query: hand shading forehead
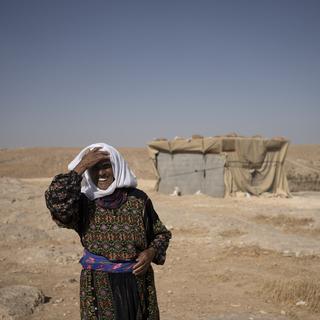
[[103, 164]]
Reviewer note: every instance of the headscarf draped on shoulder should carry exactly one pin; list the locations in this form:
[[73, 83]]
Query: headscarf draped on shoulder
[[123, 176]]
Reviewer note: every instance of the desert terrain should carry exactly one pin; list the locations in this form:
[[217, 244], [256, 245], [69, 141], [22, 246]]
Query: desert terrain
[[302, 164], [239, 258]]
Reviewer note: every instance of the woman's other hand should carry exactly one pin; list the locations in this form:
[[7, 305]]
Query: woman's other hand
[[91, 158], [143, 261]]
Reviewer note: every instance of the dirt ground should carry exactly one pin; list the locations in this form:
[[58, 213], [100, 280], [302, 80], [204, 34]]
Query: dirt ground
[[229, 259]]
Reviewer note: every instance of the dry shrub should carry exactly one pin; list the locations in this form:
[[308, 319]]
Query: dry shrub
[[290, 224], [221, 277], [191, 231], [292, 291], [247, 251], [282, 220], [314, 232], [232, 233]]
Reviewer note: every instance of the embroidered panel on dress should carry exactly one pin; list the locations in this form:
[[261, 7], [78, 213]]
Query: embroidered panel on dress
[[117, 234], [96, 298], [148, 295]]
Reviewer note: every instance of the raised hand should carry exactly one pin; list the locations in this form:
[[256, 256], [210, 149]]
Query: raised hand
[[91, 158]]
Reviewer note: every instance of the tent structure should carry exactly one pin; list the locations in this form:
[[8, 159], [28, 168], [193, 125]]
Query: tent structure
[[220, 166]]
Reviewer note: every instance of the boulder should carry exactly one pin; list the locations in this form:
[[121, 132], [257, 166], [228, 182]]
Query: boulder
[[19, 301]]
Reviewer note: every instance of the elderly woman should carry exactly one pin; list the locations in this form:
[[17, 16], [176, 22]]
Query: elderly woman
[[119, 229]]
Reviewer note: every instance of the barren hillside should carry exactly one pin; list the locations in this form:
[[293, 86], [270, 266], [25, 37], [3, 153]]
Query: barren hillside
[[303, 167], [47, 162], [302, 163]]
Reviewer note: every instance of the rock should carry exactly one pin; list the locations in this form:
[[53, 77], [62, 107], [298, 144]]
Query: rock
[[19, 301], [48, 255], [176, 192], [16, 232], [287, 253], [4, 314]]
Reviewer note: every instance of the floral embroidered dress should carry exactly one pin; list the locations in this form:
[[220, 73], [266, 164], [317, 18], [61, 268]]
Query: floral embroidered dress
[[118, 234]]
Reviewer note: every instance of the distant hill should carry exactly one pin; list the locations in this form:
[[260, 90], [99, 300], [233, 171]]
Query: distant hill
[[302, 163], [47, 162], [303, 167]]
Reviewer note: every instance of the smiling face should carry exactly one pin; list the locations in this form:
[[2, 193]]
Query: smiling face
[[102, 174]]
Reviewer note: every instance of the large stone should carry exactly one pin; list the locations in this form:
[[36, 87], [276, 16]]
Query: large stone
[[19, 301]]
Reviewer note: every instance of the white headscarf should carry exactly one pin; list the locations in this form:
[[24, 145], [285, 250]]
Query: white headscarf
[[123, 176]]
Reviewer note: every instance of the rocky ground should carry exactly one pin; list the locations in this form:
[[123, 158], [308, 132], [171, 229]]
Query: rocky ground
[[229, 259]]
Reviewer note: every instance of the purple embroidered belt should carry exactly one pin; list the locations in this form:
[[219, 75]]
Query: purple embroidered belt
[[92, 261]]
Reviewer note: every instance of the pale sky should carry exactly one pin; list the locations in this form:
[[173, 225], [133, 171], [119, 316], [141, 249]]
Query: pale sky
[[125, 72]]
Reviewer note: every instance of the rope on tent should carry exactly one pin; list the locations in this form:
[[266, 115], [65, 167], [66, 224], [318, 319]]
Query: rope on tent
[[215, 168], [194, 171], [246, 162]]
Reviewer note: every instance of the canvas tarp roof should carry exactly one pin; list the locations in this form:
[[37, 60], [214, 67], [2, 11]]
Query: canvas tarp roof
[[252, 164]]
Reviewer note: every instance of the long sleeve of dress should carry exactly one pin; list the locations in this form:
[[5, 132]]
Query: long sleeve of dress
[[159, 236], [63, 199]]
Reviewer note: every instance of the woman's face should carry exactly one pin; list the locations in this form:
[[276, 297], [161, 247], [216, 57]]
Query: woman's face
[[102, 174]]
